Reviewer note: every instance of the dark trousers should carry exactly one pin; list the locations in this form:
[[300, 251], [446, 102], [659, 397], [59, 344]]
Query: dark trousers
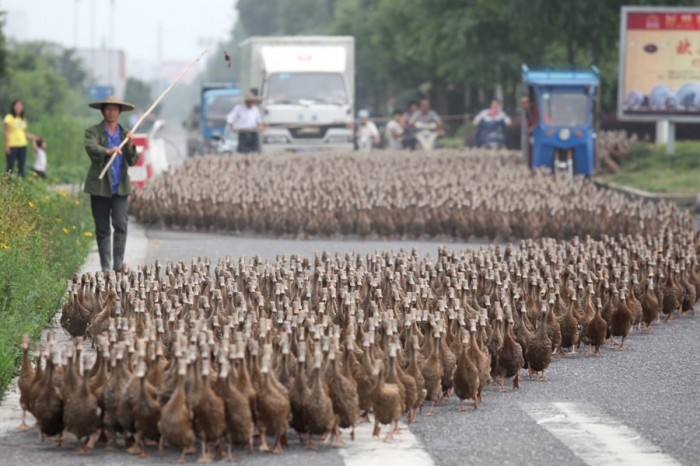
[[248, 142], [110, 212], [18, 154]]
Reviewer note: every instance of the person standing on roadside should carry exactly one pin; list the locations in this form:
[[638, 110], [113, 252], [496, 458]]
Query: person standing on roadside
[[15, 131], [39, 166], [394, 131], [109, 196], [409, 133], [245, 120]]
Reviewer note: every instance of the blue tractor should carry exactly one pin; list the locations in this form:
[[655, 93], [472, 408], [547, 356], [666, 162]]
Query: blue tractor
[[558, 128]]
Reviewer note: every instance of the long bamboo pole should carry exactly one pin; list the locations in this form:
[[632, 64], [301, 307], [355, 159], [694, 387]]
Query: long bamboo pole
[[150, 109]]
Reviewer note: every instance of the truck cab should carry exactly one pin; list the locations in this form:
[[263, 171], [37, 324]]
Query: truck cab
[[217, 100], [306, 86], [562, 131]]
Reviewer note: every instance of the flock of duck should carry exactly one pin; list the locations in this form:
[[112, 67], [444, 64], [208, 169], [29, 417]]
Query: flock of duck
[[451, 194], [245, 351]]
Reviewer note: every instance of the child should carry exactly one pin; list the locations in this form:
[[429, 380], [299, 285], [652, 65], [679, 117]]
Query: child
[[40, 158]]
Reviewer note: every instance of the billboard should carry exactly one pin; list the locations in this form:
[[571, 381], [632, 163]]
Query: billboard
[[659, 64]]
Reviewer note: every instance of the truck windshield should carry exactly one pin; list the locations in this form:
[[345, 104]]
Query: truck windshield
[[293, 88], [564, 108], [216, 107]]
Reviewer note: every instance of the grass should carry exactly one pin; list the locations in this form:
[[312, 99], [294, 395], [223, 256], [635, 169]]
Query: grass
[[647, 167], [44, 239]]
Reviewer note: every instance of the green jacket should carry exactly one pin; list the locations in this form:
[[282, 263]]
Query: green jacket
[[96, 147]]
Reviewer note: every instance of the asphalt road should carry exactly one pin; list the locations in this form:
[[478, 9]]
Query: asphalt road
[[638, 406]]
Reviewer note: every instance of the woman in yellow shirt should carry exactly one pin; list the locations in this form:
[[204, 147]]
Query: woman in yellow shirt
[[16, 138]]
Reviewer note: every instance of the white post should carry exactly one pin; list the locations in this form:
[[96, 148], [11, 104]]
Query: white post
[[671, 144], [662, 132]]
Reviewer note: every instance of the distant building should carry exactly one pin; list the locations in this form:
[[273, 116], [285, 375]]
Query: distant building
[[106, 67]]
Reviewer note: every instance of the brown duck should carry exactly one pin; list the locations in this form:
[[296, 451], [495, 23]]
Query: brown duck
[[539, 348], [510, 358]]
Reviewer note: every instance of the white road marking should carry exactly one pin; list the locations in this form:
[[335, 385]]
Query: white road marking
[[595, 437], [404, 450]]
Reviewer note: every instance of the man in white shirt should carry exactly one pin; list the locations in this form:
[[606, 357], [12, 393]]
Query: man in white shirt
[[394, 131], [366, 133], [245, 120]]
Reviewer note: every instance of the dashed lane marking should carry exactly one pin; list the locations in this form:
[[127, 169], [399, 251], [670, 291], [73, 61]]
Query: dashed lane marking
[[595, 437]]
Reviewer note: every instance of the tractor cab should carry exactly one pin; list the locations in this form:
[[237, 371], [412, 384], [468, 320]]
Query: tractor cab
[[558, 128]]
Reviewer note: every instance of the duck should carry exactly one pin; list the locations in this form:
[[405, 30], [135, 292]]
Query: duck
[[387, 402], [672, 295], [209, 420], [620, 321], [82, 416], [24, 382], [273, 409], [569, 327], [175, 424], [239, 418], [366, 379], [539, 348], [414, 370], [466, 376], [343, 393], [650, 304], [510, 358], [320, 418], [432, 375], [597, 329], [482, 358], [48, 405], [300, 396], [147, 411]]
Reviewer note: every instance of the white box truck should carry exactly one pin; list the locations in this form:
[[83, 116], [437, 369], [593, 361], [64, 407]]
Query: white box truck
[[307, 86]]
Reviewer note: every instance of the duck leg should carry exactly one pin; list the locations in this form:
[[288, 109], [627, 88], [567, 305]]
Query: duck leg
[[278, 444], [390, 436], [136, 448], [516, 381], [622, 344], [338, 440], [181, 459], [205, 457], [377, 429], [229, 453], [82, 446], [432, 407], [23, 426], [263, 442]]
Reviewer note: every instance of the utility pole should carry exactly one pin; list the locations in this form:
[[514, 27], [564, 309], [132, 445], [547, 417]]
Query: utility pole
[[75, 24], [111, 52]]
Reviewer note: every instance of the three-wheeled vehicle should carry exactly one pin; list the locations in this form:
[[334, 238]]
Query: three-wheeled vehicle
[[559, 130]]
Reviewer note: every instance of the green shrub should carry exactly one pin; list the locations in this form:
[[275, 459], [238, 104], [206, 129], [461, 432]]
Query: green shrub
[[44, 239], [647, 167]]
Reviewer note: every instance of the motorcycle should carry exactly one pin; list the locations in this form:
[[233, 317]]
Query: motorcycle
[[491, 134], [426, 135], [364, 143]]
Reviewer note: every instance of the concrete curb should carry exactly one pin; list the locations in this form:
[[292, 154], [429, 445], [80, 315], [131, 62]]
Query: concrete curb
[[681, 199], [135, 255]]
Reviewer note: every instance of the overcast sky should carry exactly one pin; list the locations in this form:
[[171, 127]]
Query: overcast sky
[[187, 27]]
